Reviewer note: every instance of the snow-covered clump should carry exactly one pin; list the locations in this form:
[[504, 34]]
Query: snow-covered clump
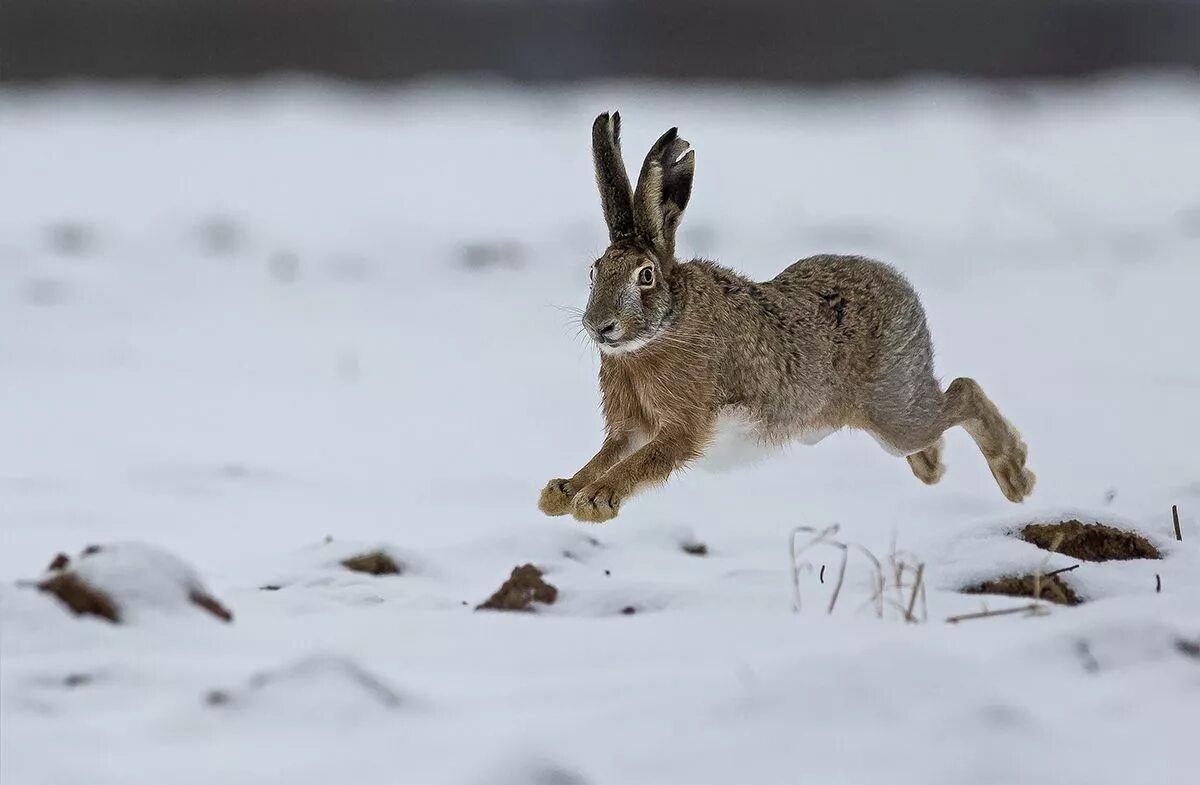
[[122, 581]]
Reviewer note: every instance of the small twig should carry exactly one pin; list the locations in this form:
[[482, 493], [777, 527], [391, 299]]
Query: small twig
[[1175, 518], [879, 579], [1031, 609], [821, 577], [912, 601], [1062, 570], [1157, 583], [821, 535], [1038, 574], [841, 578]]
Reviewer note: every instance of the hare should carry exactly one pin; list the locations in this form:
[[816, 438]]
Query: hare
[[831, 342]]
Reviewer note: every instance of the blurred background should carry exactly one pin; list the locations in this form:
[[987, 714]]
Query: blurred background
[[557, 41], [291, 255]]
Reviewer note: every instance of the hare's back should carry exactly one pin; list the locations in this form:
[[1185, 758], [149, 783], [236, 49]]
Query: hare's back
[[874, 314], [857, 288], [836, 271]]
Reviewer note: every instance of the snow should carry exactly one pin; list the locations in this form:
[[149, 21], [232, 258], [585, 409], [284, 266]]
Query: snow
[[238, 321]]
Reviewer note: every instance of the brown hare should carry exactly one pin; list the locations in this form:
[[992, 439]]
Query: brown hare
[[831, 342]]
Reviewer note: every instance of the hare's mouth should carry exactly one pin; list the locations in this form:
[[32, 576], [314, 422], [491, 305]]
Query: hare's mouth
[[624, 346]]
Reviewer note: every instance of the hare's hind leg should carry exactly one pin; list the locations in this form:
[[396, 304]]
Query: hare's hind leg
[[917, 433], [997, 439]]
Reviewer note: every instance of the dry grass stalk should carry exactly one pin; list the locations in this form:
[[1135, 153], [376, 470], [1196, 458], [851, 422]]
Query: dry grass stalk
[[918, 587], [1175, 519], [822, 536], [1033, 609], [900, 566]]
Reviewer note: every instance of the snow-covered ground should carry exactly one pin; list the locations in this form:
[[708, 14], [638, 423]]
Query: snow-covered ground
[[234, 322]]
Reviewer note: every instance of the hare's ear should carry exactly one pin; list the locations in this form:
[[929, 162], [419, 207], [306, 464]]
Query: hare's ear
[[663, 190], [611, 177]]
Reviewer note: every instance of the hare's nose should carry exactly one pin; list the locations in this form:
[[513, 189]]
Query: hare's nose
[[607, 330]]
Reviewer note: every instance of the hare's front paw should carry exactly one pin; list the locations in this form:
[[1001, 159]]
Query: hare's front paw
[[596, 504], [556, 497]]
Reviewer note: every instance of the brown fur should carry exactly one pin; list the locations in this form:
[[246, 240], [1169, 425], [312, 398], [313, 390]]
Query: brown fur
[[831, 342]]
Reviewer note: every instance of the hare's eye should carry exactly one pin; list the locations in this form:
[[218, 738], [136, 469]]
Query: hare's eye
[[646, 276], [592, 273]]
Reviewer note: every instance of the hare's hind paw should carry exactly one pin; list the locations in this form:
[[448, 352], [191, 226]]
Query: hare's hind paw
[[1015, 481], [927, 464], [596, 504], [556, 497]]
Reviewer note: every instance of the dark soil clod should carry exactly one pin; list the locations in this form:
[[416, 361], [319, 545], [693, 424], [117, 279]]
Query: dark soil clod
[[628, 610], [695, 548], [211, 605], [374, 563], [523, 588], [1049, 587], [1089, 541], [217, 698], [60, 562], [81, 598]]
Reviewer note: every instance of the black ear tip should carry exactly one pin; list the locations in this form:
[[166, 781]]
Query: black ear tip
[[665, 141], [606, 121]]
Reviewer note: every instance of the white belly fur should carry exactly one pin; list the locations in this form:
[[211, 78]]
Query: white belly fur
[[738, 442]]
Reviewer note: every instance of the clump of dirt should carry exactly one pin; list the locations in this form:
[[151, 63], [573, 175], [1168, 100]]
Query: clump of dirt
[[695, 548], [60, 562], [211, 605], [523, 588], [1089, 541], [373, 563], [85, 600], [1046, 587], [82, 599]]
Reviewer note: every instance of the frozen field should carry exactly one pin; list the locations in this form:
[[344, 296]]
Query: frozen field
[[234, 323]]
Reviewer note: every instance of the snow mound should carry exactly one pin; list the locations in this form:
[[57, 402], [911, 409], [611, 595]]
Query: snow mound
[[321, 686], [122, 581]]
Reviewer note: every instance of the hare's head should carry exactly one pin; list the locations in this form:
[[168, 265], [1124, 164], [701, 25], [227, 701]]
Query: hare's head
[[631, 293]]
